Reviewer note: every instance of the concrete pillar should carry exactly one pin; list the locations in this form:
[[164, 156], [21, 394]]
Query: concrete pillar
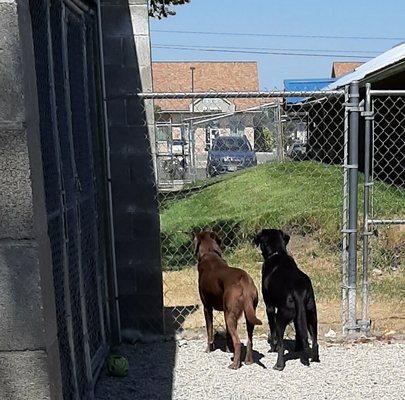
[[127, 66], [29, 358]]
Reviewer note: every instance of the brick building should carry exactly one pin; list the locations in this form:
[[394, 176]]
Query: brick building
[[203, 120], [340, 68]]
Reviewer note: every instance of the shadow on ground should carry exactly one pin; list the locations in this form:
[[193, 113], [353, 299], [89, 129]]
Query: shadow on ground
[[151, 365], [220, 344]]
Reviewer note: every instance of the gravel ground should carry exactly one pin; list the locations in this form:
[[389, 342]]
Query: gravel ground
[[359, 371]]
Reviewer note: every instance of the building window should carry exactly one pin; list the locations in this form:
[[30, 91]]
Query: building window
[[163, 133], [237, 126], [211, 133]]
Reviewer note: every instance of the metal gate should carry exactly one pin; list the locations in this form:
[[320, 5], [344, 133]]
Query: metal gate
[[67, 61], [384, 193]]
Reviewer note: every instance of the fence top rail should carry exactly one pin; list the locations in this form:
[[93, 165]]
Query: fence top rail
[[387, 92], [240, 95]]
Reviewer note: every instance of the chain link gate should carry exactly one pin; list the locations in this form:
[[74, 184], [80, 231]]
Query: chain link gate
[[66, 47], [237, 162], [384, 194]]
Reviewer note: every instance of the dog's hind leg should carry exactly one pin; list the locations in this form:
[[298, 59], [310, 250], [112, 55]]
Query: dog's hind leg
[[312, 321], [298, 340], [283, 317], [210, 328], [271, 317], [301, 329], [231, 325], [249, 347], [229, 343]]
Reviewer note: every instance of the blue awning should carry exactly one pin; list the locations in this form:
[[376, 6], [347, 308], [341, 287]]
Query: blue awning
[[303, 85]]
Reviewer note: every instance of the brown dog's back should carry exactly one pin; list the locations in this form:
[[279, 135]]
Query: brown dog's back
[[226, 288]]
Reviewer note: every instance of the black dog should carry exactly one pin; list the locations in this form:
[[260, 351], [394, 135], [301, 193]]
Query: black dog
[[286, 288]]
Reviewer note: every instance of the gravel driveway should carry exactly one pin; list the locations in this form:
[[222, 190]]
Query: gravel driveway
[[361, 371]]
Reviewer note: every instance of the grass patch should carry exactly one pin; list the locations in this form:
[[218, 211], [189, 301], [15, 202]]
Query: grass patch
[[304, 198]]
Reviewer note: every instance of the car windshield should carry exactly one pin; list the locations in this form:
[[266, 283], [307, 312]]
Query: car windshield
[[231, 144]]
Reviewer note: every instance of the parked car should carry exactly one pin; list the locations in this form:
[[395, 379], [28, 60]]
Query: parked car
[[229, 154], [298, 151]]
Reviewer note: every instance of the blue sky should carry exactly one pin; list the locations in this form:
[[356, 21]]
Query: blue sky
[[365, 18]]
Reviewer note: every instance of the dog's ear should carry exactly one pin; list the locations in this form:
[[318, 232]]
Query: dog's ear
[[286, 237], [257, 239], [214, 236], [196, 244]]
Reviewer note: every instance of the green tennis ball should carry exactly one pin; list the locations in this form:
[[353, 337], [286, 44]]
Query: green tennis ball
[[117, 366]]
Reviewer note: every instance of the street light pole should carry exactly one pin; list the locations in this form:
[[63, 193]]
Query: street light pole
[[191, 129]]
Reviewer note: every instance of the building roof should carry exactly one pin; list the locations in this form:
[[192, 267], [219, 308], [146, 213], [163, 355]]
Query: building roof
[[385, 64], [301, 85], [209, 76], [340, 68]]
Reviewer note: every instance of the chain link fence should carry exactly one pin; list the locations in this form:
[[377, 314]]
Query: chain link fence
[[236, 163]]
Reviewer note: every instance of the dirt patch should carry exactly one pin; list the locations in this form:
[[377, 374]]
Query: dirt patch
[[182, 300]]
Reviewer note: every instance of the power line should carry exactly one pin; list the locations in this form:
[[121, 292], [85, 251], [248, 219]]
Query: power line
[[277, 35], [284, 53], [374, 53]]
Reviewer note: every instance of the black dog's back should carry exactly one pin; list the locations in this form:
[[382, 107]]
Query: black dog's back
[[283, 282]]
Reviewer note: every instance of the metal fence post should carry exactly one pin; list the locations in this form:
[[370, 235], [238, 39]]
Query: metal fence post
[[344, 267], [365, 322], [279, 133], [351, 326]]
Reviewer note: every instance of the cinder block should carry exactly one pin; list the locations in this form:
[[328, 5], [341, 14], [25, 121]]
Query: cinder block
[[16, 218], [21, 321], [124, 141], [127, 258], [140, 19], [11, 99], [136, 111], [122, 80], [116, 111], [148, 318], [130, 52], [116, 20], [113, 50], [142, 44]]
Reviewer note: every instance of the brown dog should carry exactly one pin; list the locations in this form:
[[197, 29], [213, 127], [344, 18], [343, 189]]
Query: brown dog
[[226, 289]]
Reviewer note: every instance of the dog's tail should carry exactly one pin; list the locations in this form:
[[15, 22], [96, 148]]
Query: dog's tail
[[250, 312]]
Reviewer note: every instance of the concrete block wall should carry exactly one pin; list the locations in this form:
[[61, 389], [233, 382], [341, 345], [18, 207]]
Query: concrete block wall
[[23, 355], [135, 210]]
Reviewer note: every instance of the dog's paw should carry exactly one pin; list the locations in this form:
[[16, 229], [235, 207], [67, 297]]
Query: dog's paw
[[305, 361], [209, 348], [249, 360], [278, 367], [273, 348], [234, 365], [315, 359]]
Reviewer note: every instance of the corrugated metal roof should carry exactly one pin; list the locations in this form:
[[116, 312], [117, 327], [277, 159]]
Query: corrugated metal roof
[[384, 60], [301, 85]]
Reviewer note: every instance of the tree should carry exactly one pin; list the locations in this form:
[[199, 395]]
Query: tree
[[163, 8]]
